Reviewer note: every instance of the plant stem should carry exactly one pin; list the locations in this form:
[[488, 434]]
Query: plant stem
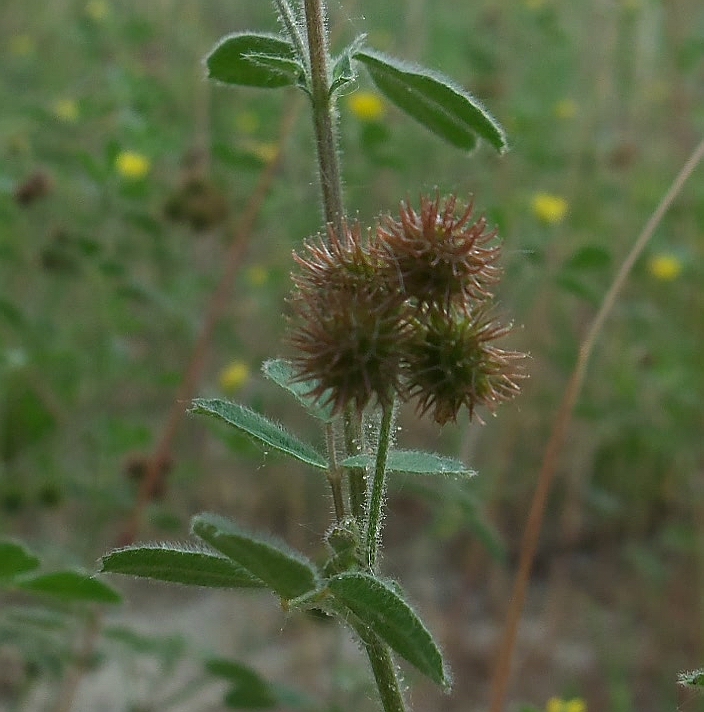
[[288, 18], [324, 114], [559, 434], [356, 476], [376, 499], [384, 674], [333, 474]]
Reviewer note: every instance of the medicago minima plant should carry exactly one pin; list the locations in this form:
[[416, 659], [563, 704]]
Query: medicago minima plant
[[379, 315]]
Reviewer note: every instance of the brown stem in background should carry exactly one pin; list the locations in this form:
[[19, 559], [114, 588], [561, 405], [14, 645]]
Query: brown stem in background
[[560, 427], [194, 369]]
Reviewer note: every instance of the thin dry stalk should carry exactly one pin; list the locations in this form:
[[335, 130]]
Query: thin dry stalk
[[558, 435]]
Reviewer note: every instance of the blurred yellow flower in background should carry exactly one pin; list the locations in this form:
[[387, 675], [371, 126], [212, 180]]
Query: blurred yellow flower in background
[[555, 704], [132, 165], [234, 376], [66, 110], [257, 275], [97, 10], [664, 267], [366, 106], [22, 45], [550, 209], [565, 109]]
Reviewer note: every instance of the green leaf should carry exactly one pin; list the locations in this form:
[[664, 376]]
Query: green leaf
[[281, 372], [695, 678], [589, 257], [380, 608], [16, 559], [260, 428], [433, 100], [177, 565], [256, 60], [283, 570], [71, 586], [252, 691], [414, 462], [342, 73]]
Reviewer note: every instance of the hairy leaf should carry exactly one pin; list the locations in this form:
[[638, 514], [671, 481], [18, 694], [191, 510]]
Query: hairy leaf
[[255, 59], [380, 608], [284, 571], [434, 101], [414, 462], [281, 372], [260, 428], [174, 564]]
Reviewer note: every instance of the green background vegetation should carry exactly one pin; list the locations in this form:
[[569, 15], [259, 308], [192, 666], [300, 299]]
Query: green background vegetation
[[104, 283]]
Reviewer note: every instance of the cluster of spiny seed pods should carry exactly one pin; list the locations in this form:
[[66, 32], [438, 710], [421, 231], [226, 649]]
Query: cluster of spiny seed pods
[[403, 311]]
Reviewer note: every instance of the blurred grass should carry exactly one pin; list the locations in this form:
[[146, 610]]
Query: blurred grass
[[102, 294]]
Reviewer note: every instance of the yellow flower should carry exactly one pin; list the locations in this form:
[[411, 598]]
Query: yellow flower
[[132, 165], [22, 45], [234, 376], [664, 267], [565, 109], [366, 106], [66, 110], [97, 10], [554, 704], [550, 209], [257, 275]]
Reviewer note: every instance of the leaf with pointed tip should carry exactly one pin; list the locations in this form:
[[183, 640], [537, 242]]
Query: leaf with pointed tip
[[260, 428], [256, 60], [174, 564], [70, 585], [283, 570], [380, 608], [16, 559], [433, 100], [414, 462], [281, 372]]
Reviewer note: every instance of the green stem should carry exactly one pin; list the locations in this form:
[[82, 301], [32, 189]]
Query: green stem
[[376, 500], [384, 670], [289, 19], [333, 473], [324, 114], [356, 476]]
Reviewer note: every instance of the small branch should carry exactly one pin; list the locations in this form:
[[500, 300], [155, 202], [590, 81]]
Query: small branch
[[376, 499], [558, 435], [333, 473], [385, 675], [356, 476], [294, 32], [323, 114]]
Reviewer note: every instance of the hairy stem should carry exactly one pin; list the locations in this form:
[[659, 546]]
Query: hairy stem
[[376, 499], [324, 114], [384, 670], [356, 476], [289, 19], [333, 474]]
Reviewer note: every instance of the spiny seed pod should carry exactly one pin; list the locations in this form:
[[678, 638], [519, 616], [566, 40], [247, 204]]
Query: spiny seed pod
[[452, 363], [349, 332], [436, 257]]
